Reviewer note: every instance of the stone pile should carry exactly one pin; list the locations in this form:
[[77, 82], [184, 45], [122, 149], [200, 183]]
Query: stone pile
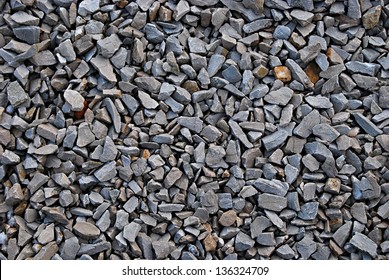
[[194, 129]]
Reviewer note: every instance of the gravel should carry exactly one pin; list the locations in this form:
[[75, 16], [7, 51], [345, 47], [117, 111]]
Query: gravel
[[194, 129]]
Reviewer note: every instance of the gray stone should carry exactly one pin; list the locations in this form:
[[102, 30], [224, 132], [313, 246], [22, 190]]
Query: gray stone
[[257, 25], [114, 114], [370, 69], [305, 127], [358, 212], [238, 133], [272, 202], [271, 186], [65, 48], [93, 249], [383, 210], [354, 9], [104, 66], [16, 94], [282, 32], [9, 158], [161, 248], [109, 45], [147, 101], [306, 247], [109, 150], [342, 234], [364, 244], [70, 248], [285, 252], [298, 73], [308, 211], [130, 231], [243, 242], [193, 123], [365, 82], [310, 52], [325, 132], [46, 150], [149, 84], [86, 230], [319, 102], [88, 7], [153, 34], [106, 172], [281, 96], [215, 64], [367, 125], [85, 135], [28, 34], [74, 99]]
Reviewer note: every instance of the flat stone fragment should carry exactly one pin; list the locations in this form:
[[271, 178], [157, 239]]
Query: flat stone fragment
[[28, 34], [16, 94], [285, 252], [228, 218], [306, 247], [372, 17], [238, 133], [193, 123], [215, 64], [281, 96], [87, 7], [354, 9], [109, 45], [271, 186], [109, 150], [70, 248], [367, 125], [104, 66], [130, 231], [75, 100], [243, 242], [46, 150], [47, 251], [9, 158], [272, 202], [325, 132], [92, 249], [106, 172], [305, 127], [275, 139], [161, 248], [342, 234], [383, 210], [298, 73], [147, 101], [308, 211], [319, 102], [86, 230], [149, 84], [364, 244], [85, 135]]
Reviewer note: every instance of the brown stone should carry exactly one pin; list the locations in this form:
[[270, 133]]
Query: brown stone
[[260, 72], [282, 73], [371, 18], [332, 185], [312, 72], [210, 243], [146, 154], [333, 56], [191, 86], [165, 14], [228, 218]]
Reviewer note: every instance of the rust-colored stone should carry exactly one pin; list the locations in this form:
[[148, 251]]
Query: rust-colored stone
[[228, 218], [19, 210], [146, 154], [210, 243], [282, 73], [122, 4], [312, 72], [80, 114]]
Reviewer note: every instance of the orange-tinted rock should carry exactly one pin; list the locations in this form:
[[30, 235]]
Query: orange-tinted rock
[[146, 154], [312, 72], [80, 114], [282, 73], [210, 243]]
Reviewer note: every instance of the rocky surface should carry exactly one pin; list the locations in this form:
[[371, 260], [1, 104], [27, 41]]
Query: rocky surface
[[194, 129]]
